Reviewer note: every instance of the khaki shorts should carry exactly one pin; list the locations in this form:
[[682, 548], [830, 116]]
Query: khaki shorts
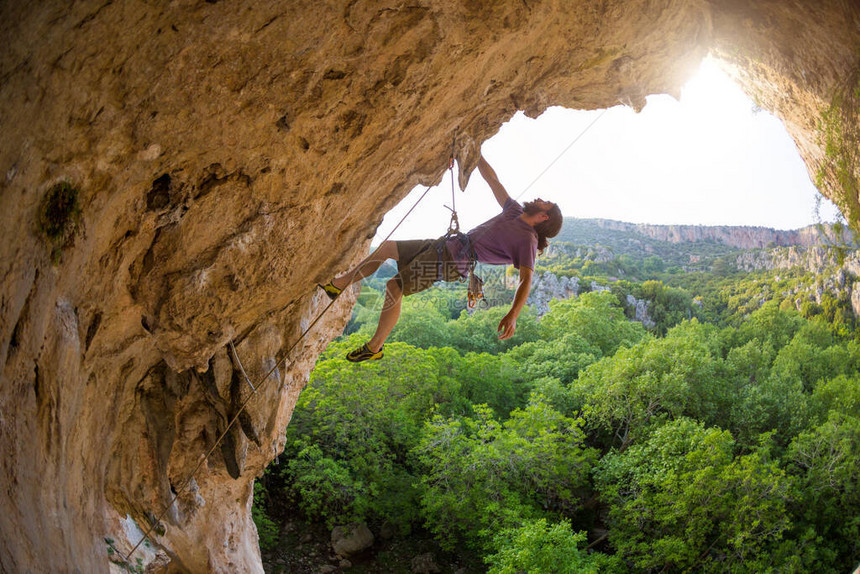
[[418, 265]]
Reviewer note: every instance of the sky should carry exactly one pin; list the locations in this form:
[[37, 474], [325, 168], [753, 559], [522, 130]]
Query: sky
[[710, 158]]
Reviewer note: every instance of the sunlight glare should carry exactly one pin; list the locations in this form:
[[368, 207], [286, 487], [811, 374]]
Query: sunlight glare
[[710, 92]]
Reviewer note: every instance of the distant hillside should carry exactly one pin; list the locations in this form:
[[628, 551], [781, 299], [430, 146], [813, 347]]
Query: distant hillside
[[600, 247], [731, 271], [615, 248]]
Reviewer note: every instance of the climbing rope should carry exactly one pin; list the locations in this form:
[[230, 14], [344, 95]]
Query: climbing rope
[[241, 368]]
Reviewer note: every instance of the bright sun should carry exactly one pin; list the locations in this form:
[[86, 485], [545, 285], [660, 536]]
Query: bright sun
[[714, 105], [710, 90]]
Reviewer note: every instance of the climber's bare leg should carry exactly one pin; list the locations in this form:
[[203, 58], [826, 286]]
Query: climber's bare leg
[[388, 250], [389, 316]]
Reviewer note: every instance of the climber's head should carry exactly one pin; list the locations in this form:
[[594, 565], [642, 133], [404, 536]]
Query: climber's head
[[550, 226]]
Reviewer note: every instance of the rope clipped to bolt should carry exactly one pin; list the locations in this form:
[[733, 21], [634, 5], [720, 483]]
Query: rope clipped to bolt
[[454, 225]]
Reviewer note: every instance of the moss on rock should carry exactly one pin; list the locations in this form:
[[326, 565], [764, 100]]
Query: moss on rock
[[59, 217]]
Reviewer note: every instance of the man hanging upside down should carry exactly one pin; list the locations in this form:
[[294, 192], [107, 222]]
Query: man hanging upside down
[[515, 236]]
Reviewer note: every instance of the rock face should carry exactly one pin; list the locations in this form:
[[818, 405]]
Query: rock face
[[548, 286], [225, 156], [640, 311], [811, 259]]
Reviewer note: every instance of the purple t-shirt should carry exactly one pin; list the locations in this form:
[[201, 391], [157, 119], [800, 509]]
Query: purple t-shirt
[[503, 240]]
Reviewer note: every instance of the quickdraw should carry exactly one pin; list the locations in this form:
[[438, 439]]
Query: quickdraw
[[476, 291], [476, 284]]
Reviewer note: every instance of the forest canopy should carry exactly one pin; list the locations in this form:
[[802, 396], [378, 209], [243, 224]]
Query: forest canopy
[[724, 438]]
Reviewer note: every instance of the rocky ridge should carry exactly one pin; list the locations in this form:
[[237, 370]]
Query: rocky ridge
[[812, 259], [548, 286], [741, 237]]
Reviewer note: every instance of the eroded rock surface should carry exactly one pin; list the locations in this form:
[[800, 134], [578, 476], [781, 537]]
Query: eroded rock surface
[[548, 286], [228, 155]]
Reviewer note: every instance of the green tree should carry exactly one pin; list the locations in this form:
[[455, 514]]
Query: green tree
[[421, 324], [677, 375], [557, 394], [838, 313], [495, 380], [750, 363], [653, 265], [775, 404], [543, 548], [723, 267], [668, 305], [325, 488], [826, 460], [484, 476], [353, 429], [840, 394], [774, 387], [779, 399], [812, 356], [680, 502], [267, 529], [769, 324], [478, 332], [595, 317], [562, 357]]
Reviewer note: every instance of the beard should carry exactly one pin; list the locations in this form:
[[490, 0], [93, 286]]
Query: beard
[[530, 208]]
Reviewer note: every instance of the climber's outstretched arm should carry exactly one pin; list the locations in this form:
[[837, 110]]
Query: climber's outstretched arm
[[492, 179], [508, 324]]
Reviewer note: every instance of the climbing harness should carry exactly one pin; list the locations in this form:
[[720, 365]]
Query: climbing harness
[[475, 296]]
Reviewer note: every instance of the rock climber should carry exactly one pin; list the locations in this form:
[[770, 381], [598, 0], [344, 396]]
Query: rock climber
[[514, 237]]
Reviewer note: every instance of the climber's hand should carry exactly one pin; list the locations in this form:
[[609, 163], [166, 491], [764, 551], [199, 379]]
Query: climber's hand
[[507, 326]]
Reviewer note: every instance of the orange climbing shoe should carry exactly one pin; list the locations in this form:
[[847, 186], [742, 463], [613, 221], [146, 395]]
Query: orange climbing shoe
[[364, 353], [330, 290]]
